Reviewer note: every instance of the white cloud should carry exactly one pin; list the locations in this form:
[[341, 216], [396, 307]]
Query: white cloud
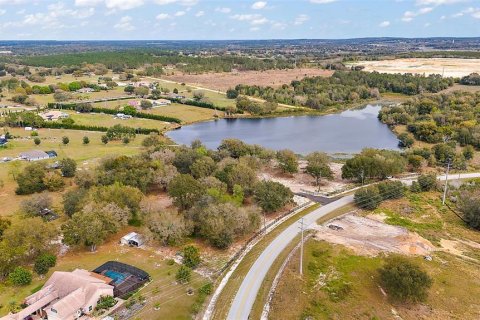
[[259, 21], [200, 14], [87, 3], [409, 15], [179, 13], [2, 12], [427, 24], [123, 4], [474, 12], [259, 5], [322, 1], [223, 10], [187, 3], [254, 29], [246, 17], [436, 2], [384, 24], [279, 25], [125, 24], [162, 16], [301, 19]]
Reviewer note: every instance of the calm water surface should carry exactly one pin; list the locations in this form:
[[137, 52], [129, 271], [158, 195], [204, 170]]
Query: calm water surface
[[346, 132]]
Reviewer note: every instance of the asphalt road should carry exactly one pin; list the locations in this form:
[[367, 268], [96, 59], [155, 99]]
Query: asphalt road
[[247, 293], [245, 298]]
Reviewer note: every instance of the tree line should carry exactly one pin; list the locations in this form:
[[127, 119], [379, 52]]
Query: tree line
[[345, 87]]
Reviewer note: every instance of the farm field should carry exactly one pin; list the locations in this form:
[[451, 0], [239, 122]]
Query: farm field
[[224, 81], [449, 67]]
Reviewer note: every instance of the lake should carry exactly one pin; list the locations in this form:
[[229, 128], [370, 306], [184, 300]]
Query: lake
[[347, 132]]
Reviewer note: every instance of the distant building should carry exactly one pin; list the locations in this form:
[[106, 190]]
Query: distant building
[[161, 102], [51, 154], [123, 116], [85, 90], [134, 103], [34, 155], [3, 140], [175, 96], [53, 115]]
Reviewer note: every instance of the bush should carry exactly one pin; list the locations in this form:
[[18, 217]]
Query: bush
[[368, 198], [31, 179], [404, 281], [105, 302], [44, 262], [37, 141], [427, 182], [86, 140], [184, 274], [271, 195], [391, 190], [65, 140], [191, 257], [469, 206], [20, 277], [68, 167]]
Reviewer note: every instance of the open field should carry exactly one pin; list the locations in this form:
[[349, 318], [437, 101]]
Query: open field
[[107, 120], [338, 284], [85, 155], [341, 283], [172, 299], [183, 112], [224, 81], [449, 67]]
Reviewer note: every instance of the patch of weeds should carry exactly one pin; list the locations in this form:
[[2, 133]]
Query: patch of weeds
[[397, 220], [170, 262], [338, 289], [203, 293]]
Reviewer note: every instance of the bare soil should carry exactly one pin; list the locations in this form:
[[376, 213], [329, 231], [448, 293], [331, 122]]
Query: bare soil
[[302, 181], [225, 80], [446, 66], [366, 236]]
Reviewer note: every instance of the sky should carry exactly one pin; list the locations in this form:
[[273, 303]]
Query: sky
[[235, 19]]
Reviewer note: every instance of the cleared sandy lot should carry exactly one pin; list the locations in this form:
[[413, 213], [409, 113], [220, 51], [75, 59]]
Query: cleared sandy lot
[[447, 67], [369, 237], [226, 80]]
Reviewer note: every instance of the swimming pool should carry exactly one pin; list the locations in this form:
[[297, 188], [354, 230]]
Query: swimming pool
[[117, 277]]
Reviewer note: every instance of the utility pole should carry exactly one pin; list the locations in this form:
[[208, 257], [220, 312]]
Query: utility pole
[[446, 183], [302, 227]]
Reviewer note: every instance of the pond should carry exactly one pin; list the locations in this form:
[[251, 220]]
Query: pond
[[343, 133]]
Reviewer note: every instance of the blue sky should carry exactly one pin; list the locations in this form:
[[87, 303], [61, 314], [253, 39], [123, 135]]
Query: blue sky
[[235, 19]]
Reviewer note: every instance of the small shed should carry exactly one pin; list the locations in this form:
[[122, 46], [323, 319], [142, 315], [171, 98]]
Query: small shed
[[132, 239]]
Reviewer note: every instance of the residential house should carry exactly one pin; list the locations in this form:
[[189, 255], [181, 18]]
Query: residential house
[[85, 90], [123, 116], [161, 102], [175, 96], [66, 296], [53, 115], [34, 155], [3, 140], [134, 103]]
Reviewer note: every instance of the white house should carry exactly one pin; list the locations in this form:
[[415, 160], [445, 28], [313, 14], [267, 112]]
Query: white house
[[161, 102], [66, 296]]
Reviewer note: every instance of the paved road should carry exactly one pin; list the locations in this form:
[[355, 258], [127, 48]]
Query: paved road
[[246, 295], [243, 302]]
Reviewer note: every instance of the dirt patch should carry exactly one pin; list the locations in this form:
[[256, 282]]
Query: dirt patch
[[369, 237], [301, 181], [445, 66], [225, 80]]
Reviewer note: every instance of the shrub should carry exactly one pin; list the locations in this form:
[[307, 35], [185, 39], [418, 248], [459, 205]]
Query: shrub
[[44, 262], [191, 257], [20, 276], [404, 281], [427, 182], [184, 274], [86, 140], [105, 302], [68, 167], [391, 190], [37, 141], [65, 140], [368, 198]]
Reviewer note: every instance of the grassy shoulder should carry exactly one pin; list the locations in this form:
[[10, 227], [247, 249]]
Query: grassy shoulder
[[228, 293], [338, 284]]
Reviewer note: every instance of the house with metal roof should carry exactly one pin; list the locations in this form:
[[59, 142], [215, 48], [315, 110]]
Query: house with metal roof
[[34, 155]]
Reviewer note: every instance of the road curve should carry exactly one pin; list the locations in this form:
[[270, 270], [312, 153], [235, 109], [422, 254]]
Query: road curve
[[245, 297], [247, 293]]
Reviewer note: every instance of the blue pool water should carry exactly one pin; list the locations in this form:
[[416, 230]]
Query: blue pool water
[[117, 277]]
